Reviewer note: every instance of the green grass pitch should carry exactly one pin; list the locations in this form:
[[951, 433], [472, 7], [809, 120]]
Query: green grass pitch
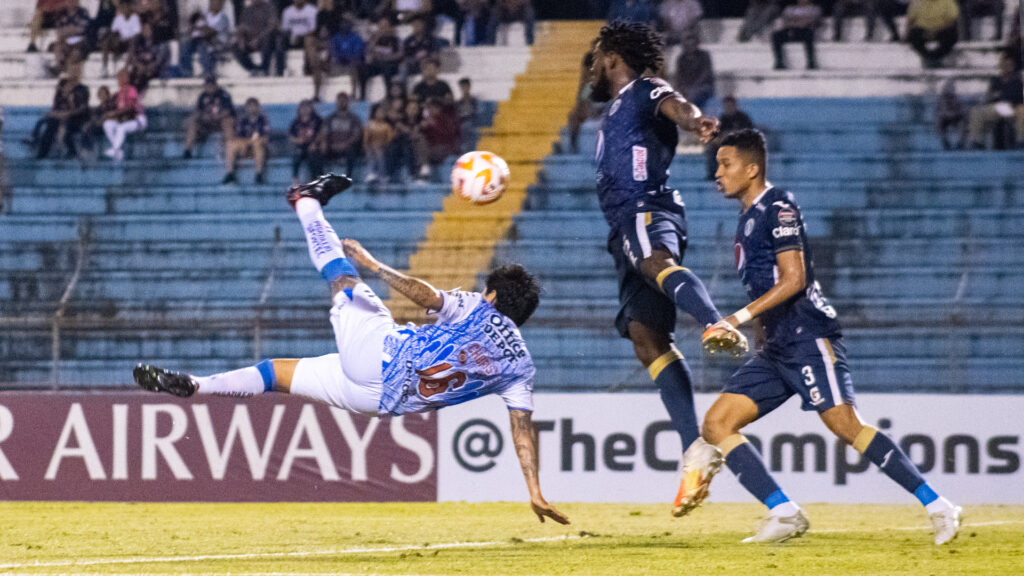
[[492, 540]]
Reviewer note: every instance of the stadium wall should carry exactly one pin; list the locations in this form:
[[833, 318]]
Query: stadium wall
[[133, 447]]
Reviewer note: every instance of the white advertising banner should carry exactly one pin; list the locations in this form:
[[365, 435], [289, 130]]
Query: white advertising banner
[[621, 448]]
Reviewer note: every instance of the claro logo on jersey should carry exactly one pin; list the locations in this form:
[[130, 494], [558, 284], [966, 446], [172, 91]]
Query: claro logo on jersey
[[660, 91], [785, 231]]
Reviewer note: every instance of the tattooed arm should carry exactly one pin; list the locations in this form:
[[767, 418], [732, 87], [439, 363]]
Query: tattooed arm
[[526, 450], [419, 291]]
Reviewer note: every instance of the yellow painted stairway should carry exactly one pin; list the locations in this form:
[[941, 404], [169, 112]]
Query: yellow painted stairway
[[460, 241]]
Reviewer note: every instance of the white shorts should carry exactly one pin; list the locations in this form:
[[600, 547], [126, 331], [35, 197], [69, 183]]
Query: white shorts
[[350, 379]]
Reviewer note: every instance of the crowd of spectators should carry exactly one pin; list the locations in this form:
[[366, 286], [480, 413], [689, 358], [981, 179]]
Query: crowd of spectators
[[406, 135], [360, 38]]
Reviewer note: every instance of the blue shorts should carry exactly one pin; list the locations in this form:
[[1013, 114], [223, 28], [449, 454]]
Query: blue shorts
[[634, 239], [816, 370]]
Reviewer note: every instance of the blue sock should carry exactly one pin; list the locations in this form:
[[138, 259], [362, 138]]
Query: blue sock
[[672, 376], [689, 294], [881, 450], [749, 469], [266, 368]]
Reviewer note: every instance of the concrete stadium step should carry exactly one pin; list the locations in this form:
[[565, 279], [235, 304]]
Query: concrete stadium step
[[862, 343], [710, 255], [843, 139], [866, 165], [833, 56], [544, 344], [202, 171], [838, 284], [590, 375], [182, 201], [856, 222], [915, 375], [601, 309], [181, 254], [208, 227], [904, 193], [491, 67], [20, 120]]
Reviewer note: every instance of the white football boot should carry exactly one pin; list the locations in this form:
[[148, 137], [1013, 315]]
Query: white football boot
[[700, 464], [946, 524], [780, 528]]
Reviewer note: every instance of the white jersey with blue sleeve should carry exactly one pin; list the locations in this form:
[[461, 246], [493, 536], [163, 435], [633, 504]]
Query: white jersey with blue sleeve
[[470, 351]]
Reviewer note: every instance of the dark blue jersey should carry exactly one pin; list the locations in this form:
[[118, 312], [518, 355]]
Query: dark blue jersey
[[634, 149], [770, 226]]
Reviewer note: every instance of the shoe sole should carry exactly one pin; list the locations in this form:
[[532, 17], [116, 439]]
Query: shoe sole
[[683, 508], [157, 380], [959, 525], [788, 537]]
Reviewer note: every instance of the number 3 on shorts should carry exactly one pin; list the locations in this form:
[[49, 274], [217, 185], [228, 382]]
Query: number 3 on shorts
[[808, 373]]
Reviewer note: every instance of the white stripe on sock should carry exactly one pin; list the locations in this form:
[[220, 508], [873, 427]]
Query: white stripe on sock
[[324, 245], [242, 382]]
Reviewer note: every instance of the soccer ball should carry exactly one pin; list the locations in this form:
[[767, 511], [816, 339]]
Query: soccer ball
[[480, 177]]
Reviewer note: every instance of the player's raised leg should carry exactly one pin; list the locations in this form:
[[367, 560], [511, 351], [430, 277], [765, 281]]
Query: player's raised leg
[[878, 447], [324, 245], [701, 461], [265, 376], [722, 425]]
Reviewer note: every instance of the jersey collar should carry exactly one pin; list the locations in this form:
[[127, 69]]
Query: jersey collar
[[628, 86], [768, 186]]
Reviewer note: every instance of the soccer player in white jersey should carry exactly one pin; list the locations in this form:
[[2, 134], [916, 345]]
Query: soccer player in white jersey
[[473, 349]]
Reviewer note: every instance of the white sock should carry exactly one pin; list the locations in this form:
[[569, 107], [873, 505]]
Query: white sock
[[243, 382], [787, 508], [324, 245], [940, 504]]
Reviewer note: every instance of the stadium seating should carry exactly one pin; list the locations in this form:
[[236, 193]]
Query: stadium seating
[[916, 247]]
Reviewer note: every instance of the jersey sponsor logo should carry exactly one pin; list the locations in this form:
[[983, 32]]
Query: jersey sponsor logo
[[478, 355], [741, 258], [439, 378], [785, 231], [749, 227], [787, 217], [504, 337], [660, 91], [639, 163]]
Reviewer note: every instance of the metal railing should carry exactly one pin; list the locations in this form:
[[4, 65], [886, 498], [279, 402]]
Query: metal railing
[[84, 229], [261, 306]]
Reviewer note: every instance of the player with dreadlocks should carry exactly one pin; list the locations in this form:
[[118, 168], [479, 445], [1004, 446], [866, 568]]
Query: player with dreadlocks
[[647, 239]]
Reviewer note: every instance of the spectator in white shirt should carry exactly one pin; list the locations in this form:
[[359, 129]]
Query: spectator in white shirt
[[297, 22], [209, 35], [125, 26]]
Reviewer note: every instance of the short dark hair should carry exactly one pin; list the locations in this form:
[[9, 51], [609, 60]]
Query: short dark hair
[[518, 292], [750, 143], [639, 46]]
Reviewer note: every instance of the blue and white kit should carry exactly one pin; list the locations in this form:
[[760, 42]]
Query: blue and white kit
[[470, 351]]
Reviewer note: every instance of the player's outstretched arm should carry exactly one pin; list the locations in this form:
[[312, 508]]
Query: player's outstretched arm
[[526, 450], [792, 279], [687, 116], [419, 291]]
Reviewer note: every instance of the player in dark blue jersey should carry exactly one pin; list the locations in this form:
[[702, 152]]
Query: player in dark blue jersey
[[647, 239], [803, 351]]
